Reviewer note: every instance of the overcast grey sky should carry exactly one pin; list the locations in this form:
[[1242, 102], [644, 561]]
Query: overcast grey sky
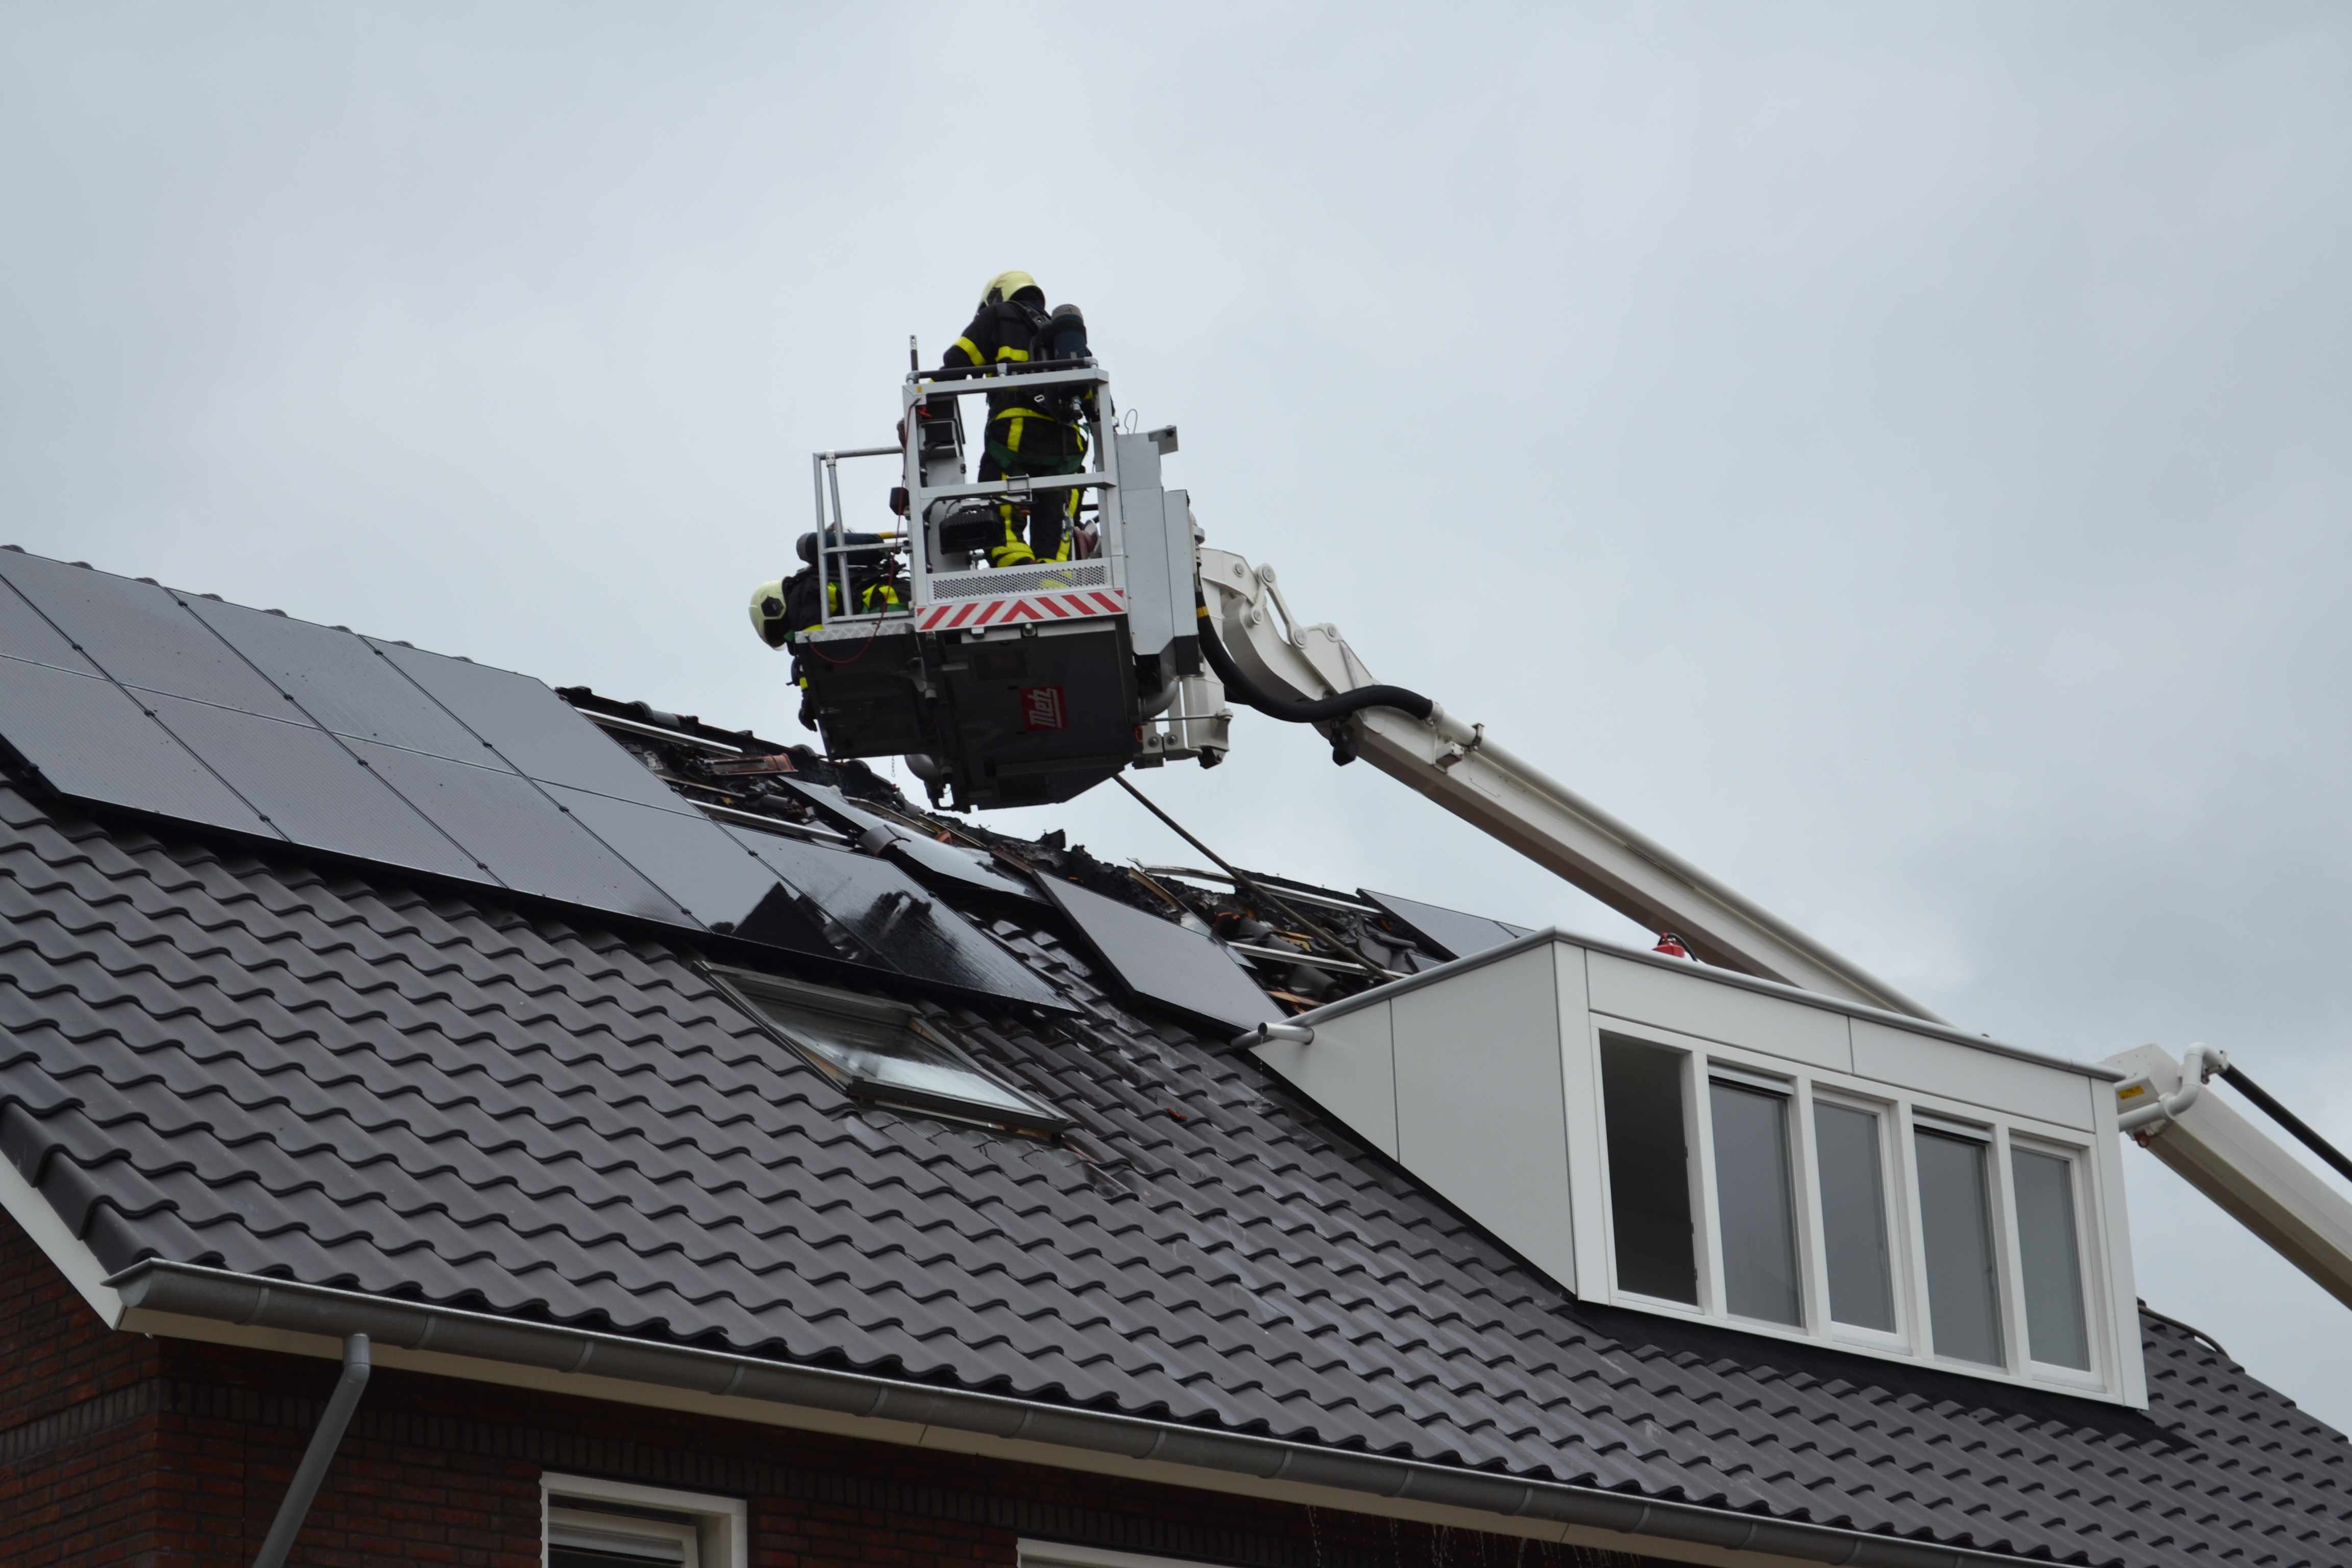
[[1900, 456]]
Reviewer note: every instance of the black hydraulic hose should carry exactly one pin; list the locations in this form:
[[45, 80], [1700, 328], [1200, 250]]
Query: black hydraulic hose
[[2287, 1118], [1314, 712]]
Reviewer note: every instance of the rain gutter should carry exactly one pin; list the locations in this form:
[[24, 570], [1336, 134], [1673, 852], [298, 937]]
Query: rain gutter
[[219, 1296]]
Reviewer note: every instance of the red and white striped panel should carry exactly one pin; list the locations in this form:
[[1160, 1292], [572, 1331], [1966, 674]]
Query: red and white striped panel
[[1075, 605]]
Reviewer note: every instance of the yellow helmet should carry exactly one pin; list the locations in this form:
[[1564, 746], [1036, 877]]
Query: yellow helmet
[[768, 616], [1005, 285]]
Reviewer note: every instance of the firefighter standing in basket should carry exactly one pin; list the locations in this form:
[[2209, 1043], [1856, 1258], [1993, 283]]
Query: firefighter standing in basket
[[1039, 431]]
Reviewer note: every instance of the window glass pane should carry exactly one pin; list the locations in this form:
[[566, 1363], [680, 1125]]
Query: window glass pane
[[891, 1055], [1649, 1180], [878, 1050], [1752, 1196], [2049, 1259], [1955, 1225], [1853, 1217], [591, 1537]]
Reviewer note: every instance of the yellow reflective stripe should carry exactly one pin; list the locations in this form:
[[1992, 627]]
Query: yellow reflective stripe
[[1006, 354], [970, 351]]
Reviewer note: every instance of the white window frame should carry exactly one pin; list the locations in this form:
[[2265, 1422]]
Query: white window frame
[[720, 1524], [1895, 1216], [1900, 1113], [2087, 1239], [1057, 1554]]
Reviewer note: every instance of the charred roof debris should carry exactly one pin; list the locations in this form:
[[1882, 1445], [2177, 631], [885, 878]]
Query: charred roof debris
[[1304, 945]]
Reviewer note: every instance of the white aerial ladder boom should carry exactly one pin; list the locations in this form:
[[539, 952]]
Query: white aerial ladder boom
[[1031, 683], [1456, 765], [2231, 1160], [1271, 659]]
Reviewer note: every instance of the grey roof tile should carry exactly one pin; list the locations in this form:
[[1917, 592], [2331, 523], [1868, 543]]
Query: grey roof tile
[[213, 1055]]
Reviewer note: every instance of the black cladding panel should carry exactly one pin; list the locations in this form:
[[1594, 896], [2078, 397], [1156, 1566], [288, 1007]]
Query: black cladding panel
[[1452, 932], [890, 922], [532, 728], [1161, 960], [90, 740], [140, 634], [342, 681], [506, 823]]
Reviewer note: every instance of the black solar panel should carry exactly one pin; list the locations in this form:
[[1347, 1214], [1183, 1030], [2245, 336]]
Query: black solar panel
[[24, 633], [1161, 960], [88, 738], [926, 856], [717, 880], [837, 809], [138, 634], [310, 788], [342, 681], [876, 913], [133, 695], [532, 728], [935, 861], [1453, 933], [516, 834]]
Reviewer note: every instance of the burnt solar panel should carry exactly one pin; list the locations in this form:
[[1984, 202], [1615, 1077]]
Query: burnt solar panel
[[926, 857], [1161, 960], [873, 910], [1450, 931], [121, 692]]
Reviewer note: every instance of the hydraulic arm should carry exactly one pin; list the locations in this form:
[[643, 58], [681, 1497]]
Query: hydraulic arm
[[1029, 684], [1275, 659], [1269, 660]]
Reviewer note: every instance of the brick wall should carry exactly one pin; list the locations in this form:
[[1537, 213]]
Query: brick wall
[[74, 1484], [173, 1455]]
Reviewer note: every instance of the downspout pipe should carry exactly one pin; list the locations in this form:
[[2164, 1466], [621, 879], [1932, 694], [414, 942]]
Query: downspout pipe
[[329, 1436], [220, 1296]]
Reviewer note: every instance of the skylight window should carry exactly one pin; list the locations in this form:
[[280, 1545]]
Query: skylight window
[[882, 1051]]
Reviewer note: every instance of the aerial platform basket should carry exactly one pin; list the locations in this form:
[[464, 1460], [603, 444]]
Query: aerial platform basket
[[1022, 685]]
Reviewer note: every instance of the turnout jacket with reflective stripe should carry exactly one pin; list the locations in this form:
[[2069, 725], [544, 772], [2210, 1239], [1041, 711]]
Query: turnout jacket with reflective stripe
[[1008, 331]]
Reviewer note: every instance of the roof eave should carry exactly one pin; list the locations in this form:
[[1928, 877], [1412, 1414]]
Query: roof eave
[[154, 1291]]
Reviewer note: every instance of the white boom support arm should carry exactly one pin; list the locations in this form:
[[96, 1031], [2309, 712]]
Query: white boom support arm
[[1454, 764], [2231, 1160]]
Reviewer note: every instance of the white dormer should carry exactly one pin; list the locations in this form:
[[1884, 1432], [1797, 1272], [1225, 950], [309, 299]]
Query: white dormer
[[1681, 1140]]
